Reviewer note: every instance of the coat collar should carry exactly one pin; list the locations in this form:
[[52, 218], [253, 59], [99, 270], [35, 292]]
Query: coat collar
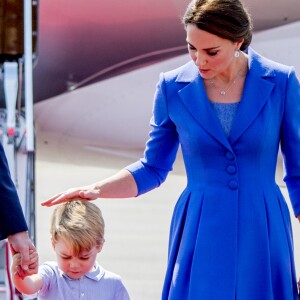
[[256, 92]]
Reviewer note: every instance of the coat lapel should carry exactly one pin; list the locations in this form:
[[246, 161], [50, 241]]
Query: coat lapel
[[199, 106], [257, 91]]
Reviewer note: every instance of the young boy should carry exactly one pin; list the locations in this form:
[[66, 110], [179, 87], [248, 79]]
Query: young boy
[[77, 236]]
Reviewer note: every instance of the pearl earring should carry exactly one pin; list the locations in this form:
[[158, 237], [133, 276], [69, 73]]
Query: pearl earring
[[237, 53]]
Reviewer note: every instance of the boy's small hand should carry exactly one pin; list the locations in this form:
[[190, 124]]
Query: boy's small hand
[[34, 263], [20, 272], [32, 267]]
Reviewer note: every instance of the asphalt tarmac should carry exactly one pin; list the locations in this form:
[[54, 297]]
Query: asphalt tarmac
[[136, 229]]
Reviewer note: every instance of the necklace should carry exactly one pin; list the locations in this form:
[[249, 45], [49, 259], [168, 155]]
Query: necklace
[[224, 91]]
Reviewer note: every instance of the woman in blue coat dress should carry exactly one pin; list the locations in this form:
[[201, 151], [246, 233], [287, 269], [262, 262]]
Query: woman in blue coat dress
[[229, 109]]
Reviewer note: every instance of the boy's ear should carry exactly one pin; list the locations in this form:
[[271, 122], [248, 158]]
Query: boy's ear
[[99, 247], [52, 243]]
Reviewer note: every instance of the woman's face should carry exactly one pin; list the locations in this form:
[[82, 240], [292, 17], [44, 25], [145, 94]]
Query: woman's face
[[214, 56]]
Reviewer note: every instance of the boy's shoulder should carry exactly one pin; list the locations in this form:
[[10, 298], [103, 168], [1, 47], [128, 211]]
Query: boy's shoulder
[[112, 282], [49, 267], [106, 274]]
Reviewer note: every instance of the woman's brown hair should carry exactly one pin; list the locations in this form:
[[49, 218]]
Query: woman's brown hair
[[228, 19]]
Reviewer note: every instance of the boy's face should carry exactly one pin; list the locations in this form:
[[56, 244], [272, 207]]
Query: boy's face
[[74, 266]]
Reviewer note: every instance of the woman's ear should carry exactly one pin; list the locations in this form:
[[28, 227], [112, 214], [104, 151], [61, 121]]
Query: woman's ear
[[239, 44]]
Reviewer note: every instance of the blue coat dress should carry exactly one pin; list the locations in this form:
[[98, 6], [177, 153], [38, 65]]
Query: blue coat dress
[[231, 235]]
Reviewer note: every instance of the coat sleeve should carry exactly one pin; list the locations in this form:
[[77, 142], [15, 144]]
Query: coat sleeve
[[290, 140], [161, 148], [11, 215]]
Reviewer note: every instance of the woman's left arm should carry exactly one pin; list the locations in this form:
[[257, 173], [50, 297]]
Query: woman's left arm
[[290, 140]]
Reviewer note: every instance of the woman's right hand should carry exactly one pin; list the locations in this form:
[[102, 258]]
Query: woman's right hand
[[120, 185], [90, 192]]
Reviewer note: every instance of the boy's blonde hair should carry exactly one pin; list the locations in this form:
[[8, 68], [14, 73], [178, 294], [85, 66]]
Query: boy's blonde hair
[[80, 223]]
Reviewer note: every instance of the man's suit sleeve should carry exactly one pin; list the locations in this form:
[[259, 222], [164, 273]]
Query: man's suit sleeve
[[11, 215]]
